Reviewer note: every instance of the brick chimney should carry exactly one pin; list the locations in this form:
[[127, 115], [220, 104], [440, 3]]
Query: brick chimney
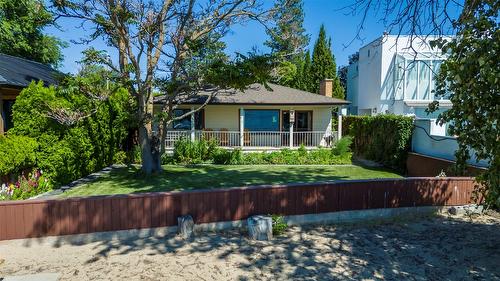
[[326, 87]]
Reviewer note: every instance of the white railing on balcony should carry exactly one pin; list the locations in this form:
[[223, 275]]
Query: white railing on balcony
[[257, 138]]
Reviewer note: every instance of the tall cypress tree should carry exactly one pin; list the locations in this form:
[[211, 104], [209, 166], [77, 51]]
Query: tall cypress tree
[[303, 78], [323, 65]]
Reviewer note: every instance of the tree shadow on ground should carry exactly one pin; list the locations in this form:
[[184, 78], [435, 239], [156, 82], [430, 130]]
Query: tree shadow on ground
[[131, 180], [431, 248]]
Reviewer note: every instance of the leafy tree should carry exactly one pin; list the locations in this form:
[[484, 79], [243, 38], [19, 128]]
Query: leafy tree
[[21, 32], [157, 43], [288, 37], [342, 74], [470, 77], [323, 64]]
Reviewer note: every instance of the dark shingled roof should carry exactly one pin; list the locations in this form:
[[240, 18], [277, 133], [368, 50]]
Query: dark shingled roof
[[19, 72], [258, 94]]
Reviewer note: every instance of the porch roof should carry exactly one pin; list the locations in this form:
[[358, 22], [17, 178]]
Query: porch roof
[[257, 94]]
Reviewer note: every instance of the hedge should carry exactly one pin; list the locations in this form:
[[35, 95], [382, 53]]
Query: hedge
[[189, 152], [384, 138], [66, 153]]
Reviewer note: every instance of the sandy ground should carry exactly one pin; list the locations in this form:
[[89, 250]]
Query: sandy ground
[[437, 248]]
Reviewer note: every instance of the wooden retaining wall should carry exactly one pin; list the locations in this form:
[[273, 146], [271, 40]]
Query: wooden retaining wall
[[419, 165], [38, 218]]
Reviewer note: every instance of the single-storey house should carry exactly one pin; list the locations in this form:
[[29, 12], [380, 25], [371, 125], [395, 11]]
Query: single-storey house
[[258, 117], [16, 74]]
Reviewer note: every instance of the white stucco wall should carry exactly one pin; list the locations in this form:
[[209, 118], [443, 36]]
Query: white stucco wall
[[376, 81], [435, 145]]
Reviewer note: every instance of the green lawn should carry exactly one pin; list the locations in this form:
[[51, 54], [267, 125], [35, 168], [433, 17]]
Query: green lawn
[[129, 179]]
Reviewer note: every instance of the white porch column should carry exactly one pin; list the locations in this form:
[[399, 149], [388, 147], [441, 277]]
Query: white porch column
[[242, 127], [339, 124], [192, 126], [292, 121]]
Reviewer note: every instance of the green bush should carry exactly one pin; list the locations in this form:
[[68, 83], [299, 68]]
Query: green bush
[[120, 157], [134, 155], [193, 152], [279, 224], [383, 138], [343, 146], [17, 153], [286, 156], [227, 157], [66, 153], [188, 152]]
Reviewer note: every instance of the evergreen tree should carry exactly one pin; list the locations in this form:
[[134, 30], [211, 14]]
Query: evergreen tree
[[323, 65], [303, 79], [288, 37], [21, 25], [287, 40]]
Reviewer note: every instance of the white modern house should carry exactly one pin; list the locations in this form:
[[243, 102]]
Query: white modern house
[[259, 118], [394, 74]]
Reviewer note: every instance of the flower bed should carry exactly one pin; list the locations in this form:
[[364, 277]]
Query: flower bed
[[26, 186]]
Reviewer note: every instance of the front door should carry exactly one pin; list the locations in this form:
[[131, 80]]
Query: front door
[[302, 124]]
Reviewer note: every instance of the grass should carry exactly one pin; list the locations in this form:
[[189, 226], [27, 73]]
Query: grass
[[129, 179]]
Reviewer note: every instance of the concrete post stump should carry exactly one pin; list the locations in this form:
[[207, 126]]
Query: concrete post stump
[[186, 226], [260, 227]]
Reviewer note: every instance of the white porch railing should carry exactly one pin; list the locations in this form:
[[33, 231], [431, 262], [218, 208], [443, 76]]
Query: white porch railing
[[257, 138]]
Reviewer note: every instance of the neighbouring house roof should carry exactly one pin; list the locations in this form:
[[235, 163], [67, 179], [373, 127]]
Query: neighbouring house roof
[[257, 94], [18, 72]]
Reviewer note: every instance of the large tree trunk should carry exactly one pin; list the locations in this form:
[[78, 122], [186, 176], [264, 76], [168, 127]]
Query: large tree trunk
[[150, 143], [146, 152]]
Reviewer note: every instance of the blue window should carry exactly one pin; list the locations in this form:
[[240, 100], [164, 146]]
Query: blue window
[[185, 123], [262, 120]]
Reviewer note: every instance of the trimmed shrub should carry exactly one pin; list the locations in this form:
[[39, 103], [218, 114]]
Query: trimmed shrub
[[384, 138], [17, 153], [319, 156]]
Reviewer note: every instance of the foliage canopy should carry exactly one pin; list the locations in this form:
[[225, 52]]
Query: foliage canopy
[[471, 78], [21, 32]]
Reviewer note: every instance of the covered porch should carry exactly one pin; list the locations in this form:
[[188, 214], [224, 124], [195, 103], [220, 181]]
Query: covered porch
[[252, 140], [258, 127]]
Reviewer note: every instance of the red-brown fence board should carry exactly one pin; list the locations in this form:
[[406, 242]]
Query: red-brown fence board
[[38, 218]]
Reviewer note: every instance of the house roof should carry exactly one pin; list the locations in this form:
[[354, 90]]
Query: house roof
[[19, 72], [257, 94]]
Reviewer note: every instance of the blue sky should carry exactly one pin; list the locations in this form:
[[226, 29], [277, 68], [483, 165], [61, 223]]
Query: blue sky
[[340, 25]]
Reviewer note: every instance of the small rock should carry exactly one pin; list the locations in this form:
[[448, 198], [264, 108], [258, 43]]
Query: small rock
[[453, 211], [260, 227], [186, 226]]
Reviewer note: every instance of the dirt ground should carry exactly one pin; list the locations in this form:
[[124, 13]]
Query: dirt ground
[[436, 248]]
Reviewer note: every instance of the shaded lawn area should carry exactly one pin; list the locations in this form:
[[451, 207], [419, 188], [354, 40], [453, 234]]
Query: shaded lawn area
[[129, 179]]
